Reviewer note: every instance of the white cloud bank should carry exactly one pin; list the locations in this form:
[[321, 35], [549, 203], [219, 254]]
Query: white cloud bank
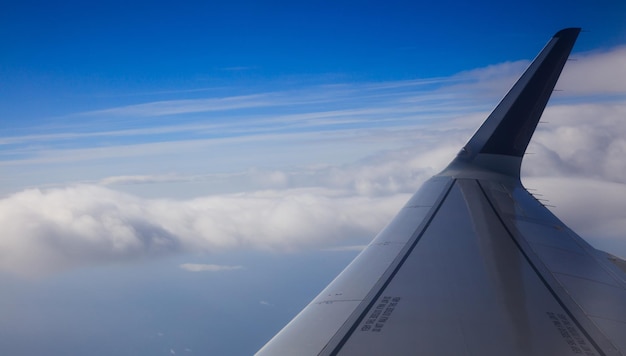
[[50, 230], [596, 73]]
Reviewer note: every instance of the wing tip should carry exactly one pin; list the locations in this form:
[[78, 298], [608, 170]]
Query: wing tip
[[568, 32], [501, 141]]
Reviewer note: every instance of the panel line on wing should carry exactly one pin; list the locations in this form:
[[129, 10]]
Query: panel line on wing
[[539, 274], [378, 291]]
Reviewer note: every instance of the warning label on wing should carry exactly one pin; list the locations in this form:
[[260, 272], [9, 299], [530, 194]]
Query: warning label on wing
[[571, 334], [380, 315]]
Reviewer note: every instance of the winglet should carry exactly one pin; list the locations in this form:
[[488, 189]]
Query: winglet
[[500, 143]]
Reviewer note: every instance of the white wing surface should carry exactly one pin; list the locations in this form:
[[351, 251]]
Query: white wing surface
[[474, 264]]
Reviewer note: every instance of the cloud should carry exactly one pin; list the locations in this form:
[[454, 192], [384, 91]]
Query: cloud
[[315, 114], [238, 69], [594, 208], [490, 81], [143, 179], [197, 267], [172, 107], [56, 229], [587, 139], [580, 149], [356, 248], [595, 73]]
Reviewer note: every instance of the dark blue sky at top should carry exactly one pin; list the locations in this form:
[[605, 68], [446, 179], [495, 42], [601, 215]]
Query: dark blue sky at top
[[51, 52]]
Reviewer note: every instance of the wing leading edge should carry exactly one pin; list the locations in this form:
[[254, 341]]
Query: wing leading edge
[[474, 264]]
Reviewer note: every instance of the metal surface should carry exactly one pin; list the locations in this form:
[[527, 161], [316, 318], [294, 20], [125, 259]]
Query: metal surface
[[474, 264], [334, 311], [467, 288]]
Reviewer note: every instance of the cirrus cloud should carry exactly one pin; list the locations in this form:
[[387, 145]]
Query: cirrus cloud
[[199, 267]]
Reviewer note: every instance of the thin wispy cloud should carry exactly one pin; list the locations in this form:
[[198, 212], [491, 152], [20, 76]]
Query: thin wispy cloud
[[355, 248], [146, 179], [367, 106], [172, 107], [238, 68], [198, 267]]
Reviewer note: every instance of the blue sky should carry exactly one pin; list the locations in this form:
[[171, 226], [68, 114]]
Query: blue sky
[[183, 179]]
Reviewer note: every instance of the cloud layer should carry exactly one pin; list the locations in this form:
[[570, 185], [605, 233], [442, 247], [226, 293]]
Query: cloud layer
[[56, 229], [578, 159]]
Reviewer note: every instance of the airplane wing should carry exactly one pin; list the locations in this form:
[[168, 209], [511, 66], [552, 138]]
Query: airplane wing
[[473, 264]]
